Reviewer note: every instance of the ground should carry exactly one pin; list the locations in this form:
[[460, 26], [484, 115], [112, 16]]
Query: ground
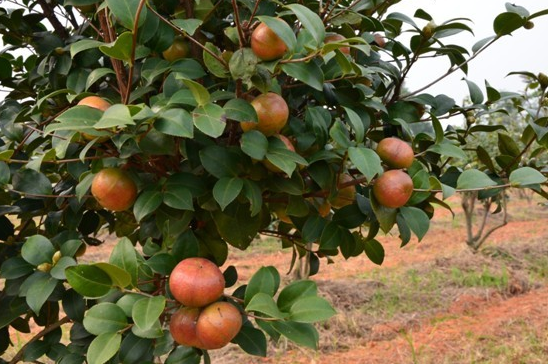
[[431, 302]]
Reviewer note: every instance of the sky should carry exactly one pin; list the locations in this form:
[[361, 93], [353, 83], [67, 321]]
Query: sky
[[524, 50]]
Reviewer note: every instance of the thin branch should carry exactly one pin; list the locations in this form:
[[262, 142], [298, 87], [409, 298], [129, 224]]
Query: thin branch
[[109, 36], [450, 71], [47, 8], [496, 227], [241, 36], [17, 358], [133, 49]]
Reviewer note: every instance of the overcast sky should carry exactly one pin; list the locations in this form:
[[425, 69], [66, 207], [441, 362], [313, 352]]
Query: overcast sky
[[525, 50]]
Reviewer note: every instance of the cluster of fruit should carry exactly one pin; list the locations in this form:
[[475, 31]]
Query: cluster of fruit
[[203, 321]]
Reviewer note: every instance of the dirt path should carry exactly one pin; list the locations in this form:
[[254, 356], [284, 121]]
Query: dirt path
[[457, 333]]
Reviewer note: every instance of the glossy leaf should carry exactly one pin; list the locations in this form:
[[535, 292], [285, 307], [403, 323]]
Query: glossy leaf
[[366, 161], [525, 176], [89, 281], [39, 291], [296, 291], [311, 309], [119, 277], [300, 333], [251, 340], [473, 179], [374, 251], [147, 311], [266, 280], [105, 317], [146, 204], [226, 190], [126, 11], [308, 73], [124, 256], [240, 110], [265, 304], [103, 347], [37, 250], [210, 119], [416, 219], [310, 20]]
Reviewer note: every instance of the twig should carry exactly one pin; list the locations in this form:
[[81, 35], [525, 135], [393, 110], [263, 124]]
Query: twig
[[47, 8], [133, 48], [109, 36], [17, 358]]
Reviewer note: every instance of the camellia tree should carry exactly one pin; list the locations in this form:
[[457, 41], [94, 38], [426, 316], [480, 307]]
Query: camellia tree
[[183, 127]]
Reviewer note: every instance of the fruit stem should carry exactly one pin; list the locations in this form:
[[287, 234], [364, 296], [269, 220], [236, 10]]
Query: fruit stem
[[207, 358]]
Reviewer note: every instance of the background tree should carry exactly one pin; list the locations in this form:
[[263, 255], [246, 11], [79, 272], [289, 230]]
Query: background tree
[[213, 122]]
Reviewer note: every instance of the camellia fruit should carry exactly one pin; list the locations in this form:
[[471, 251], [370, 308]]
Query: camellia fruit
[[183, 326], [393, 188], [96, 102], [99, 103], [272, 114], [196, 282], [114, 189], [395, 153], [217, 325], [332, 38], [178, 50], [379, 40], [266, 44], [346, 195]]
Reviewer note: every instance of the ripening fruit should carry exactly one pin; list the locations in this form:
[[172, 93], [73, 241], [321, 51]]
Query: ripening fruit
[[96, 102], [266, 44], [395, 153], [179, 49], [331, 38], [379, 39], [281, 214], [196, 282], [218, 323], [272, 114], [114, 189], [324, 208], [99, 103], [346, 195], [183, 326], [393, 188]]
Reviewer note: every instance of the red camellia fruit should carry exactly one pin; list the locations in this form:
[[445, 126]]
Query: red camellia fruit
[[183, 326], [337, 38], [266, 44], [114, 189], [395, 153], [218, 323], [95, 102], [196, 282], [393, 188], [272, 114]]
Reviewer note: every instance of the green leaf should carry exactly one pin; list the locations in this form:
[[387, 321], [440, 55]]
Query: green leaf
[[334, 236], [31, 182], [313, 227], [126, 12], [311, 309], [240, 110], [188, 25], [266, 280], [76, 118], [183, 355], [200, 93], [178, 197], [210, 119], [526, 176], [300, 333], [119, 277], [115, 116], [89, 281], [310, 20], [416, 219], [147, 311], [15, 267], [154, 332], [248, 226], [4, 174], [134, 349], [243, 64], [176, 122], [103, 348], [216, 67], [356, 123], [506, 23], [295, 291], [472, 179], [220, 161], [309, 73], [366, 161], [162, 263], [251, 340], [96, 75], [124, 256], [58, 270], [282, 30], [37, 250], [264, 303], [83, 45], [39, 292], [105, 317], [253, 194], [146, 204], [475, 92], [374, 251], [226, 190], [448, 149], [120, 48]]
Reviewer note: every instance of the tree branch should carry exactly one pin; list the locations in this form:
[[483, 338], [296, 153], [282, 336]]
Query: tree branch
[[47, 8], [17, 358], [109, 35]]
